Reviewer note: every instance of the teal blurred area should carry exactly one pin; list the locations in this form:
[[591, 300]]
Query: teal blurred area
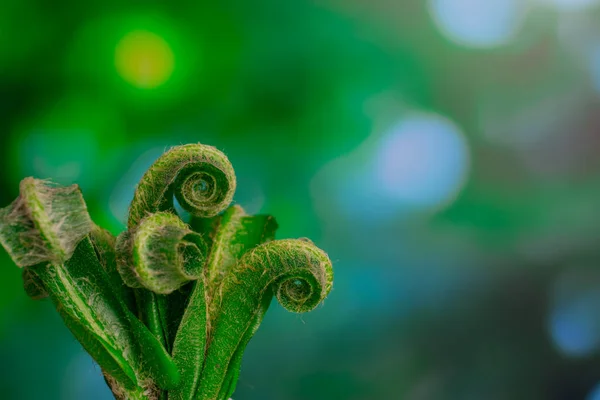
[[445, 153]]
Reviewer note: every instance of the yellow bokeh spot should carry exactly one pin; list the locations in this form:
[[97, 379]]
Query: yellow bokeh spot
[[144, 59]]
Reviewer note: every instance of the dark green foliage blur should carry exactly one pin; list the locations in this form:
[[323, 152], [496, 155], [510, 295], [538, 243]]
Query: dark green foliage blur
[[446, 161]]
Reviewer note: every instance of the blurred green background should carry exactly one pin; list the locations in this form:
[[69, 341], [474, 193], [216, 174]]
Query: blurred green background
[[443, 152]]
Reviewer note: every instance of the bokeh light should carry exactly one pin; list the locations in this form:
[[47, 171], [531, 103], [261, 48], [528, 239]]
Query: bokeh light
[[476, 23], [574, 321], [571, 5], [418, 164], [64, 141], [595, 67], [594, 394], [43, 159], [144, 59], [422, 161]]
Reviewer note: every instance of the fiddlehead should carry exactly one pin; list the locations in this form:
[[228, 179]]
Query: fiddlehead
[[44, 224], [297, 272], [161, 254], [199, 176]]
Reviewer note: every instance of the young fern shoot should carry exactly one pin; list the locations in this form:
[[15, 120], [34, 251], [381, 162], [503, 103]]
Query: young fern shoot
[[167, 308]]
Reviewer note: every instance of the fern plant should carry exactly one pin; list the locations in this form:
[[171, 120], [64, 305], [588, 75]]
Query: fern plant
[[167, 308]]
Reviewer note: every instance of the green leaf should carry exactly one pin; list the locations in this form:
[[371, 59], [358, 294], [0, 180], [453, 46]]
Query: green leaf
[[104, 245], [81, 292]]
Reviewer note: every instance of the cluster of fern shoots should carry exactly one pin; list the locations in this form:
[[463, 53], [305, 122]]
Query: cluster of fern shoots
[[167, 308]]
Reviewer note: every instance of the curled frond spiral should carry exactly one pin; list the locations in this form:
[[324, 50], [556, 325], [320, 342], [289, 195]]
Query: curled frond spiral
[[161, 254], [297, 272], [199, 176]]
